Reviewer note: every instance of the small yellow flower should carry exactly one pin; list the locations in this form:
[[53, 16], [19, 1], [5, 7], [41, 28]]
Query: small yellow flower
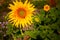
[[21, 13], [37, 19], [46, 7]]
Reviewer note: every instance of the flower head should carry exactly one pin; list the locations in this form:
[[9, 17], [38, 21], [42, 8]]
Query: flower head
[[21, 14], [46, 7], [37, 19]]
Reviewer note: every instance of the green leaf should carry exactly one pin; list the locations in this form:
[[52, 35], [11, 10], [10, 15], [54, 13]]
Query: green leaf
[[32, 34], [42, 14], [10, 28]]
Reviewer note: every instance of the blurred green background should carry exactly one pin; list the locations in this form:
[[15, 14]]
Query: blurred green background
[[48, 27]]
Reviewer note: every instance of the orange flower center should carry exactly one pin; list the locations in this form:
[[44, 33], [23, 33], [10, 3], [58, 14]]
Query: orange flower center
[[46, 7], [21, 13]]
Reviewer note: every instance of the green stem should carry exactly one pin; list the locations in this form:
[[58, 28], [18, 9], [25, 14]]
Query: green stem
[[21, 32], [14, 37]]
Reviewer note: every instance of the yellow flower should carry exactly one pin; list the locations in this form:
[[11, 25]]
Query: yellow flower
[[37, 19], [46, 7], [21, 13]]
